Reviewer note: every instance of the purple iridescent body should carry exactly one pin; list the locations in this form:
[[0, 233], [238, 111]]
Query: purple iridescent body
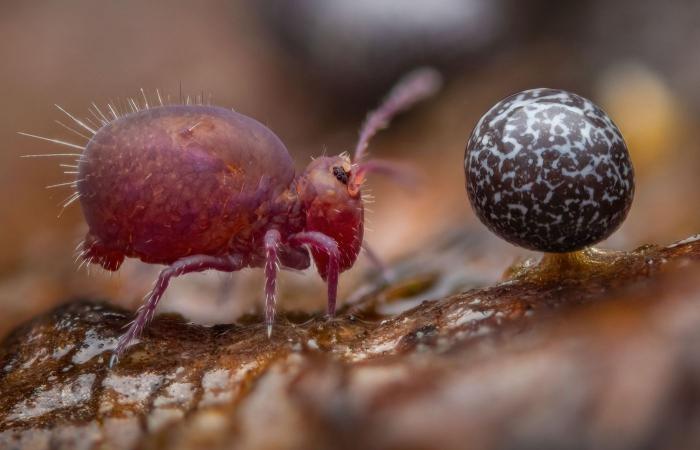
[[174, 181], [199, 187]]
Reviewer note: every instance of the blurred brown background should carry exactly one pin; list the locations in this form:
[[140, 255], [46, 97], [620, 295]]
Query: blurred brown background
[[310, 70]]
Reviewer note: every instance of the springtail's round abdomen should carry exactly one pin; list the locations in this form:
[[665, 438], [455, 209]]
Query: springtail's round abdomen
[[172, 181]]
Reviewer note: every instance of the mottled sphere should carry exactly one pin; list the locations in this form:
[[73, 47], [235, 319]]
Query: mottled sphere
[[548, 170]]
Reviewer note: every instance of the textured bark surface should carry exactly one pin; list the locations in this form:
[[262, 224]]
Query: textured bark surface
[[597, 356]]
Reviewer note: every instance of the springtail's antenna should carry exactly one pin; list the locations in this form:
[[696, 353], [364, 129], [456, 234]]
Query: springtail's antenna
[[415, 86]]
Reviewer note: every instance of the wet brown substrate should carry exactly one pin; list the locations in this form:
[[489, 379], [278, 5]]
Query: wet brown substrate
[[600, 355]]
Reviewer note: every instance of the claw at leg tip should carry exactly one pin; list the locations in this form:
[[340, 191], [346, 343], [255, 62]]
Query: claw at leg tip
[[269, 330], [113, 360]]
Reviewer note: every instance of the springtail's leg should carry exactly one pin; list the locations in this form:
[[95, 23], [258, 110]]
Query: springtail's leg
[[272, 240], [196, 263], [327, 244]]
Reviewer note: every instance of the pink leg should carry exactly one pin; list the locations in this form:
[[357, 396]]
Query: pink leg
[[326, 244], [197, 263], [272, 239]]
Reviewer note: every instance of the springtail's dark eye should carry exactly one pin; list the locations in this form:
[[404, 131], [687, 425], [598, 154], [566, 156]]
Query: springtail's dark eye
[[341, 174]]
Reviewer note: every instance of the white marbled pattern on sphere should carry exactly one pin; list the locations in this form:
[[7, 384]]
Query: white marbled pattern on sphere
[[548, 170]]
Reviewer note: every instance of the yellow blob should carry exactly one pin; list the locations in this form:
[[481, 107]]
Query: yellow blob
[[646, 111]]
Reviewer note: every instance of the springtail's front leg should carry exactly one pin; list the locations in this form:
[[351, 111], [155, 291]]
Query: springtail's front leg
[[197, 263], [327, 244], [272, 240]]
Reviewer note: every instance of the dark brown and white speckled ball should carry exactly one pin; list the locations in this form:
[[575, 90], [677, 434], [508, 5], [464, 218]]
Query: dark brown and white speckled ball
[[548, 170]]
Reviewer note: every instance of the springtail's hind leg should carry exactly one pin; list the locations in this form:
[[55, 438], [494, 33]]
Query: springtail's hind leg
[[272, 240], [327, 244], [197, 263]]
